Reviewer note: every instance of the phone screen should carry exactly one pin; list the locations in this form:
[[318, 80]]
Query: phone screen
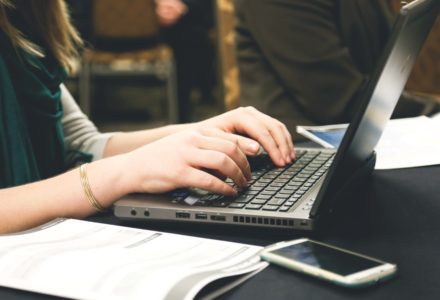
[[332, 136], [326, 258]]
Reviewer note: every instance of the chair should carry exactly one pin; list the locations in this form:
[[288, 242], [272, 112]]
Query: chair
[[226, 43], [126, 42]]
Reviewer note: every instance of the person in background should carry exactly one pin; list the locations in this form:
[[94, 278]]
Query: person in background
[[306, 62], [44, 136], [186, 25]]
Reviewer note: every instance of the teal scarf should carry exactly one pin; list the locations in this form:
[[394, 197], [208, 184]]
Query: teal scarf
[[31, 133]]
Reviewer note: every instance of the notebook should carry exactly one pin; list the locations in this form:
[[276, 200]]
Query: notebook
[[305, 192]]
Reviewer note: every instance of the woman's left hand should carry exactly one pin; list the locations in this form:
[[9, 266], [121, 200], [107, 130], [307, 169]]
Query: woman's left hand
[[270, 133]]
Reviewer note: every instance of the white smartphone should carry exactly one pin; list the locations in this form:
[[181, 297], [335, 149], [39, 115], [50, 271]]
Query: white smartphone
[[327, 262]]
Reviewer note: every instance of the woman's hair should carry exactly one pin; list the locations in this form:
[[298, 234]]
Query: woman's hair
[[51, 21]]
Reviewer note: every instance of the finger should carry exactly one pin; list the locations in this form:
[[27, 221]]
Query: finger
[[220, 162], [247, 145], [289, 141], [200, 179], [280, 136], [227, 145], [257, 129], [215, 173], [279, 132]]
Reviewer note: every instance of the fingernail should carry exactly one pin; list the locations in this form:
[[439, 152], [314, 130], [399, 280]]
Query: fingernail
[[254, 147], [288, 159], [283, 162]]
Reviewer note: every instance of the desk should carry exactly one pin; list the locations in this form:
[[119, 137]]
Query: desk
[[398, 220]]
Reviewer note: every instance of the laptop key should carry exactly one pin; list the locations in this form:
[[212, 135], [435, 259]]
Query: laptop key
[[289, 203], [263, 197], [237, 205], [284, 208], [272, 189], [250, 193], [286, 191], [244, 199], [258, 201], [269, 207], [269, 193], [220, 203], [253, 206], [276, 201], [282, 196]]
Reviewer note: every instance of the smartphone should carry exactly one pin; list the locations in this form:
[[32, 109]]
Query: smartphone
[[328, 136], [327, 262]]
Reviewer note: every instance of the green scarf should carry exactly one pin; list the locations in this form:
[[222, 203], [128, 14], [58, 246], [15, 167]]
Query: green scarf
[[31, 133]]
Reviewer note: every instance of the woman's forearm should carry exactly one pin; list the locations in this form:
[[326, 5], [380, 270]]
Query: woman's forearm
[[125, 142], [30, 205]]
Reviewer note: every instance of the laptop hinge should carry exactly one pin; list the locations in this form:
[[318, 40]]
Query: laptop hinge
[[349, 188]]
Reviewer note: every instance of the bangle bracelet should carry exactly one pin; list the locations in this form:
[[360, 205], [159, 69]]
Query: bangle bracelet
[[87, 190]]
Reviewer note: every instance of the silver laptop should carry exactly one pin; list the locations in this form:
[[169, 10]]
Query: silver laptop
[[301, 194]]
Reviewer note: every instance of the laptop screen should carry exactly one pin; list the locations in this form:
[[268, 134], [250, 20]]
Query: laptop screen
[[377, 102]]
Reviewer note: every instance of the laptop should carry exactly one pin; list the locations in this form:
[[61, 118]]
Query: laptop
[[299, 195]]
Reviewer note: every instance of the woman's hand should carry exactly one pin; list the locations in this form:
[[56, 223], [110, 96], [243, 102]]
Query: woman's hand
[[189, 159], [205, 153], [270, 133]]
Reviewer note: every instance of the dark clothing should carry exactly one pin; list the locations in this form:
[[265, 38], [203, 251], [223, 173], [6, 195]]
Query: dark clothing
[[31, 133], [194, 54], [303, 62]]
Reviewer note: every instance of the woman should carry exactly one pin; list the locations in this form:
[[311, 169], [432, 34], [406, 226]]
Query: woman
[[43, 133]]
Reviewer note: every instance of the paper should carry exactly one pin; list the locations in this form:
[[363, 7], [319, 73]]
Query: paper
[[85, 260], [405, 143], [411, 142]]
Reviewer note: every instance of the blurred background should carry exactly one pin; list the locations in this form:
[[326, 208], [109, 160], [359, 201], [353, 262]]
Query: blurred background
[[149, 63]]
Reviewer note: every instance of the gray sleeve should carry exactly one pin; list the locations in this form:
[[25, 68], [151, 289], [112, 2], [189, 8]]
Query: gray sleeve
[[80, 134]]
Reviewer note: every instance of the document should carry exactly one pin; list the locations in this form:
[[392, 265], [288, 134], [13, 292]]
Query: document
[[405, 143], [85, 260]]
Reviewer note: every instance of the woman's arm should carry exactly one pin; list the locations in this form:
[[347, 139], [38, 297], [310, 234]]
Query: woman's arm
[[36, 203], [169, 158], [271, 134], [177, 161], [82, 135]]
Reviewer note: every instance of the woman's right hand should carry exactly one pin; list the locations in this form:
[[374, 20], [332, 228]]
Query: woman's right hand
[[188, 159]]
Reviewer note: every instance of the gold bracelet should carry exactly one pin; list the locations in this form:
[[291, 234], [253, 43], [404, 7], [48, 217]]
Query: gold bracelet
[[87, 190]]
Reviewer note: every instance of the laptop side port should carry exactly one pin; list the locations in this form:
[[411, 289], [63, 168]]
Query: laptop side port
[[218, 218], [200, 216], [183, 215]]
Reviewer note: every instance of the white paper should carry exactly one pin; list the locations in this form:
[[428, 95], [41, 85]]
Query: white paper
[[410, 142], [86, 260], [436, 119], [405, 143]]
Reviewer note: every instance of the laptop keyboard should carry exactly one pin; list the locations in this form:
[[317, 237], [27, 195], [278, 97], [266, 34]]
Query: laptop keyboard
[[270, 188]]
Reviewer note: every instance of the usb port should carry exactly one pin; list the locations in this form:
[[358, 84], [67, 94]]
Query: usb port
[[218, 218], [201, 216], [183, 215]]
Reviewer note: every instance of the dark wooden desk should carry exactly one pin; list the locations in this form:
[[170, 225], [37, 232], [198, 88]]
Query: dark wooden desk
[[397, 219]]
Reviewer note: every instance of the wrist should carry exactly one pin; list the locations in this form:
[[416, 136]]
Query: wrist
[[107, 179]]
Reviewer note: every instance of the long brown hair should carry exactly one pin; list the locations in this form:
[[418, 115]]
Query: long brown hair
[[52, 21]]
